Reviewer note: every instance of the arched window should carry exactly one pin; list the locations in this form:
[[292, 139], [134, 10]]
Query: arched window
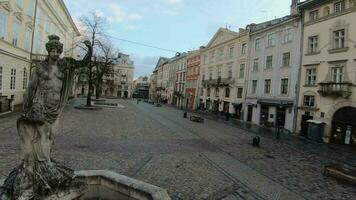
[[326, 11]]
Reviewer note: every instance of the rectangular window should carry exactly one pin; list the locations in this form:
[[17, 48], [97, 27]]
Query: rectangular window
[[271, 40], [205, 58], [0, 78], [313, 15], [309, 101], [217, 92], [24, 86], [212, 56], [13, 79], [284, 86], [221, 54], [3, 21], [231, 52], [337, 74], [15, 33], [287, 36], [257, 44], [208, 92], [255, 64], [227, 92], [244, 49], [239, 93], [286, 59], [229, 73], [313, 44], [219, 72], [339, 39], [311, 76], [339, 6], [28, 39], [254, 86], [267, 86], [269, 61], [242, 71], [210, 73]]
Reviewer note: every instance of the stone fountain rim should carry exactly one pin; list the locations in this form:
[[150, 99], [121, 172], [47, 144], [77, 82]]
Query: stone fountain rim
[[156, 193]]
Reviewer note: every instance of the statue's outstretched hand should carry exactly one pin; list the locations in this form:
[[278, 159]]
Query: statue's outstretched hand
[[87, 43]]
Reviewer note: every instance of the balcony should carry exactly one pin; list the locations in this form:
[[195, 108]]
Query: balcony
[[335, 89], [219, 82]]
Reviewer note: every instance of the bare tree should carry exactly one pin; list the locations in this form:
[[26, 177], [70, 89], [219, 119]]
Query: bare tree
[[94, 26]]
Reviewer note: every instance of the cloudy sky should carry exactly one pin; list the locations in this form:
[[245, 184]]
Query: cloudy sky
[[175, 25]]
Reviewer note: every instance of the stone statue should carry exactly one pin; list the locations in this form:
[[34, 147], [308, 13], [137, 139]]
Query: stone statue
[[38, 175]]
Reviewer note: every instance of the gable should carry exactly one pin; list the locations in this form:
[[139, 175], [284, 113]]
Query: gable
[[221, 36]]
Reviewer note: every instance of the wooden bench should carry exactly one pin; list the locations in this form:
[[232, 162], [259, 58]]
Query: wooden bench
[[341, 172], [196, 118]]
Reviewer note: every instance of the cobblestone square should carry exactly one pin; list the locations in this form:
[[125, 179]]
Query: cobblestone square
[[212, 160]]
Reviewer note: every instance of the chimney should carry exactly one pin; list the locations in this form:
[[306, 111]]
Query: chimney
[[293, 7]]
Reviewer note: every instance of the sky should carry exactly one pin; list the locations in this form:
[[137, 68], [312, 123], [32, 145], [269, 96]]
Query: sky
[[174, 25]]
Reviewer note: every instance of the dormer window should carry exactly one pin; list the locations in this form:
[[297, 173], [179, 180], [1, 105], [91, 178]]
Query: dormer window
[[339, 6], [314, 15], [326, 11]]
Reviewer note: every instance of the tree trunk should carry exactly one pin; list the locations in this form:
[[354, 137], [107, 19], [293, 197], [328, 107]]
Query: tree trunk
[[89, 86]]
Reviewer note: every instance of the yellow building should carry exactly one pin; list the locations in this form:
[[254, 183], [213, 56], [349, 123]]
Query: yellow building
[[328, 73], [21, 34]]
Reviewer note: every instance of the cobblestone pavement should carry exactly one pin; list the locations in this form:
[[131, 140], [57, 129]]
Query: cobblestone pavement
[[191, 160]]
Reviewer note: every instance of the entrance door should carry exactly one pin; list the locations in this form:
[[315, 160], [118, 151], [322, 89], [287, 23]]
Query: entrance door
[[226, 106], [281, 117], [343, 129], [264, 115], [126, 94], [249, 113], [304, 124]]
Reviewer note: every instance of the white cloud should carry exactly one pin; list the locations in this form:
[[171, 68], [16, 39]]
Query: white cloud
[[174, 1], [120, 15]]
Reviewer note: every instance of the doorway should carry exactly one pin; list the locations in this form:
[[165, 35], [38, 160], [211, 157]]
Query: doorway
[[249, 113], [304, 124], [264, 115], [343, 129]]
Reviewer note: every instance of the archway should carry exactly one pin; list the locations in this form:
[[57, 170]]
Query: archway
[[343, 129]]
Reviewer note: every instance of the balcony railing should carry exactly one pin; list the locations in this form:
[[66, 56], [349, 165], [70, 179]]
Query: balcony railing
[[219, 82], [335, 89]]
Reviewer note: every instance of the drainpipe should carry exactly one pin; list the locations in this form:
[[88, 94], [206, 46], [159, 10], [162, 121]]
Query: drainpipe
[[33, 36], [295, 120]]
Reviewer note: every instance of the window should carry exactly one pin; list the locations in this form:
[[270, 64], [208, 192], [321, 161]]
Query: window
[[221, 54], [242, 70], [208, 92], [287, 35], [309, 101], [337, 74], [269, 61], [212, 56], [352, 3], [286, 59], [339, 39], [0, 78], [24, 86], [13, 79], [15, 33], [30, 8], [326, 11], [271, 40], [219, 72], [284, 86], [28, 39], [311, 76], [239, 92], [257, 43], [254, 86], [313, 44], [205, 58], [217, 91], [243, 49], [313, 15], [339, 6], [255, 64], [201, 91], [231, 51], [229, 72], [210, 73], [227, 92], [3, 21], [267, 86]]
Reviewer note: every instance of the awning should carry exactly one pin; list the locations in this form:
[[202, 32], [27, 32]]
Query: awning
[[276, 103]]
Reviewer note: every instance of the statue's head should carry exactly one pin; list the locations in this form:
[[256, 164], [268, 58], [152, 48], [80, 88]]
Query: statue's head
[[54, 47]]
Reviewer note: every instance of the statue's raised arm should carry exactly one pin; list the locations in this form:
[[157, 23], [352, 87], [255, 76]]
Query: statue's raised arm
[[86, 60]]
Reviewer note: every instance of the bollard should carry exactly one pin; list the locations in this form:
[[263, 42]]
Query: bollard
[[256, 141]]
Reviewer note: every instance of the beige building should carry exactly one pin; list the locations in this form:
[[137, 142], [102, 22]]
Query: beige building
[[223, 72], [17, 28], [120, 84], [328, 72], [179, 63], [158, 81]]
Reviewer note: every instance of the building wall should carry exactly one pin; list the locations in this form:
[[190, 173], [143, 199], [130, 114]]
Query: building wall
[[52, 18], [324, 59], [192, 78]]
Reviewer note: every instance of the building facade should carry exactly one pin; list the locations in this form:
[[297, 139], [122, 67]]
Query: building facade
[[120, 84], [142, 86], [180, 64], [192, 80], [223, 72], [328, 72], [159, 82], [22, 33], [274, 61]]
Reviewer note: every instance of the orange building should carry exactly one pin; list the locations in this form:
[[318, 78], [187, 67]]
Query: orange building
[[193, 69]]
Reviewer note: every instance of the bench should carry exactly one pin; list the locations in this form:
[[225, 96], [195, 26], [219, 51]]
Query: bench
[[341, 172], [196, 118]]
